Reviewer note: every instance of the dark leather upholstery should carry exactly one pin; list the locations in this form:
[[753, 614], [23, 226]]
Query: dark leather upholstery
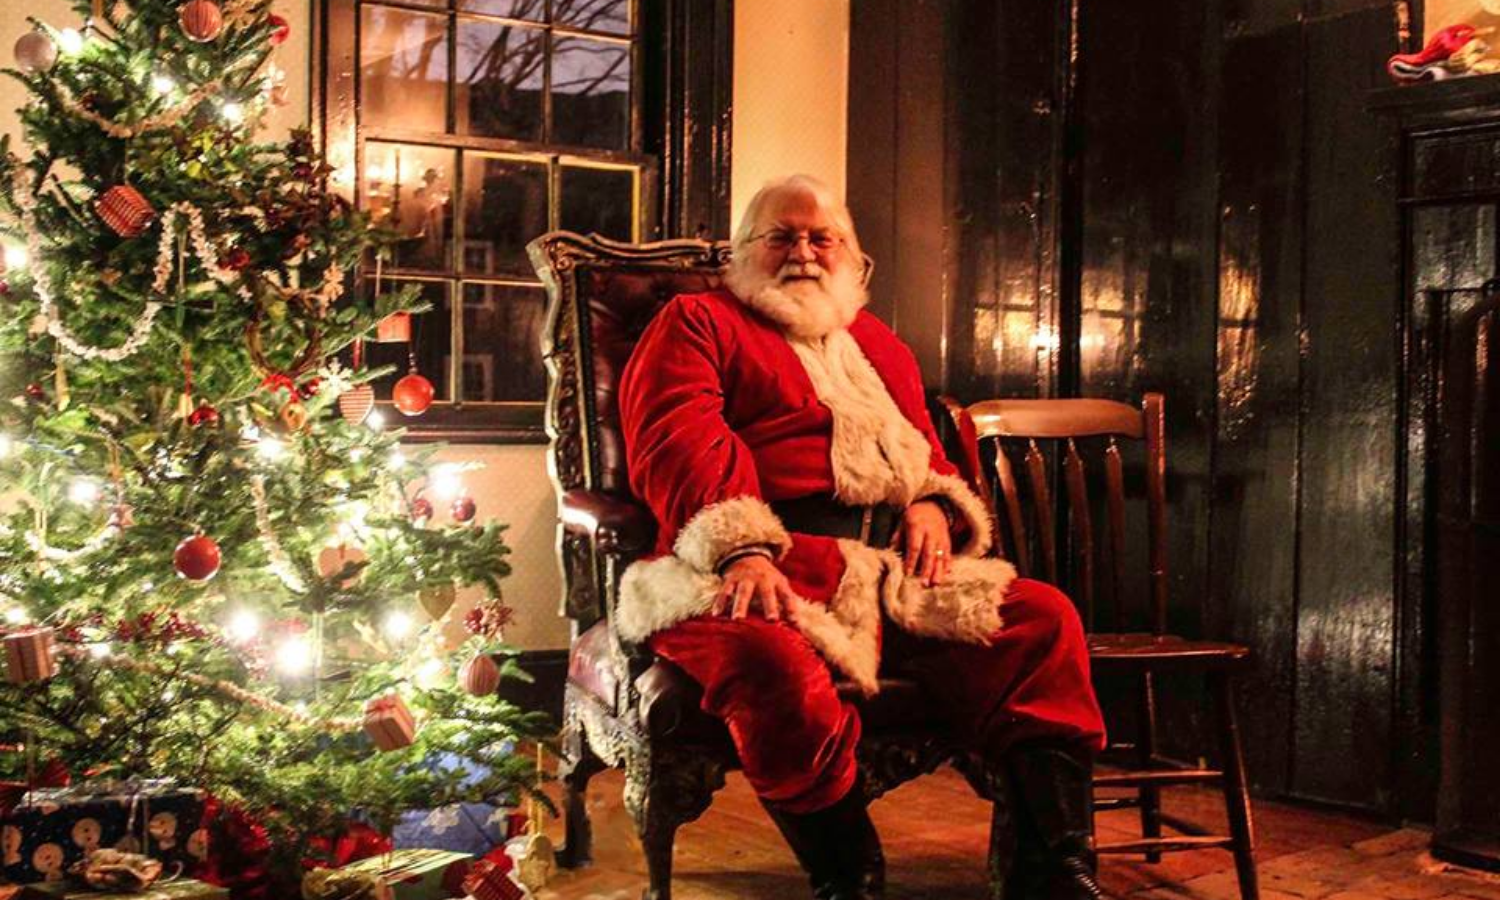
[[621, 304]]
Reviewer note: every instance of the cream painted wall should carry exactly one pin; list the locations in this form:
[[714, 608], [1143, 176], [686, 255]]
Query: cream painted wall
[[791, 87]]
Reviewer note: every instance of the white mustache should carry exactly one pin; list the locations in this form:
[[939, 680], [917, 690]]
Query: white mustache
[[800, 270]]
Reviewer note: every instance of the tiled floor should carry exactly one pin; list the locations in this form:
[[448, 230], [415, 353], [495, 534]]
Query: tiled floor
[[935, 830]]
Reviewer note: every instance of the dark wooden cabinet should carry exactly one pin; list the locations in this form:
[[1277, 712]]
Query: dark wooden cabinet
[[1450, 200]]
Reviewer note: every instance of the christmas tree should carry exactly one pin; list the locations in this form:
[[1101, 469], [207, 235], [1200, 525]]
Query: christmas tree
[[211, 552]]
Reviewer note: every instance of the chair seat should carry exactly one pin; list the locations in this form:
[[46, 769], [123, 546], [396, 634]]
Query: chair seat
[[1163, 651], [670, 701]]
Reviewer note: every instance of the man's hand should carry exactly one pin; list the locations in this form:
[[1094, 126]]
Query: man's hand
[[753, 582], [925, 543]]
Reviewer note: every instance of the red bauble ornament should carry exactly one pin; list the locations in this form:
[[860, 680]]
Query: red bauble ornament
[[235, 260], [421, 509], [125, 210], [203, 415], [463, 508], [281, 29], [480, 676], [35, 393], [197, 558], [201, 20], [412, 394], [393, 329]]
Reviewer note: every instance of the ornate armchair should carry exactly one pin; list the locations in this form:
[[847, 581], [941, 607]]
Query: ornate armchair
[[623, 708]]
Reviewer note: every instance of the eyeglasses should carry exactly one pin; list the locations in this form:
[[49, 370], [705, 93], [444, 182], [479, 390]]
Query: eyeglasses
[[780, 240]]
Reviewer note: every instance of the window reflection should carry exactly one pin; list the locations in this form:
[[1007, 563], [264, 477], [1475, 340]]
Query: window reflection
[[608, 16], [530, 10], [599, 201], [505, 207], [591, 93], [503, 341], [403, 69], [500, 79], [1239, 320], [409, 189]]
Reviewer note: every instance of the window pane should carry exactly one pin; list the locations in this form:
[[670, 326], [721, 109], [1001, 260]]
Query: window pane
[[531, 10], [505, 206], [431, 338], [503, 343], [403, 69], [600, 201], [610, 16], [499, 90], [410, 189], [591, 93]]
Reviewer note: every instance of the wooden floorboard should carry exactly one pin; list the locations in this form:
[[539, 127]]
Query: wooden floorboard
[[935, 830]]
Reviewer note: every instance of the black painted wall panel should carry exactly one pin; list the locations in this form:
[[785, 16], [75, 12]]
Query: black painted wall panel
[[1346, 600], [1147, 181], [1253, 544], [1212, 216]]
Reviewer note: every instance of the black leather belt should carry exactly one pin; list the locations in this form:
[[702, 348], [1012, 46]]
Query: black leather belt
[[821, 514]]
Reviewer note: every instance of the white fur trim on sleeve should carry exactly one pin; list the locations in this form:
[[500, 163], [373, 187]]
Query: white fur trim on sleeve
[[955, 490], [966, 607], [659, 593], [728, 525]]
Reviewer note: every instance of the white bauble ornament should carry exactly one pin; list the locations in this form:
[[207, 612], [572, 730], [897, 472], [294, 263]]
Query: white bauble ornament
[[35, 52]]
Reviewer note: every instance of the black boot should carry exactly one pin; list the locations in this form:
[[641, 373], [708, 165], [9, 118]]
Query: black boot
[[1056, 844], [838, 848]]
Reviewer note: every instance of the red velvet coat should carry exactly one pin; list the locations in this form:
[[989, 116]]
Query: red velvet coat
[[722, 413]]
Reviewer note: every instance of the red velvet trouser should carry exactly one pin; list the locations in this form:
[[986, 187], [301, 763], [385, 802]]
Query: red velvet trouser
[[796, 738]]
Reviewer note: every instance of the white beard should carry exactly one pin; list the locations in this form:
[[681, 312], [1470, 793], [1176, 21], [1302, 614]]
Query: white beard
[[805, 308]]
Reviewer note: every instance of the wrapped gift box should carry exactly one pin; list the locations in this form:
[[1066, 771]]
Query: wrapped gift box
[[180, 889], [52, 828], [473, 828], [417, 874]]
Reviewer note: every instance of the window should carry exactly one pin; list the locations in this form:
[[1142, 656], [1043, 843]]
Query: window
[[470, 127]]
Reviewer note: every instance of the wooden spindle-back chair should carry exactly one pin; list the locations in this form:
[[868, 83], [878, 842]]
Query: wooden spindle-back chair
[[1051, 534]]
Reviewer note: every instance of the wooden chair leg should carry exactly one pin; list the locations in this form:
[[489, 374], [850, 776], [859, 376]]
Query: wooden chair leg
[[1149, 796], [577, 765], [1236, 793], [663, 791]]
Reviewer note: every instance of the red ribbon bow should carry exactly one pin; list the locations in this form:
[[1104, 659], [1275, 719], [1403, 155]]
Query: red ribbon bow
[[276, 381]]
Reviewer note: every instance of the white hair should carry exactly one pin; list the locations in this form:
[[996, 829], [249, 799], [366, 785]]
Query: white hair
[[799, 183], [805, 309]]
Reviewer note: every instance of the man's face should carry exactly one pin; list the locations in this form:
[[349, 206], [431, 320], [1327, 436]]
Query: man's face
[[795, 240]]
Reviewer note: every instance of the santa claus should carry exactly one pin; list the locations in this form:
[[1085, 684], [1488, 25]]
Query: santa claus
[[810, 524]]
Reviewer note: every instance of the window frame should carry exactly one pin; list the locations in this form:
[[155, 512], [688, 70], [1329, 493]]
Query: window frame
[[681, 179]]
